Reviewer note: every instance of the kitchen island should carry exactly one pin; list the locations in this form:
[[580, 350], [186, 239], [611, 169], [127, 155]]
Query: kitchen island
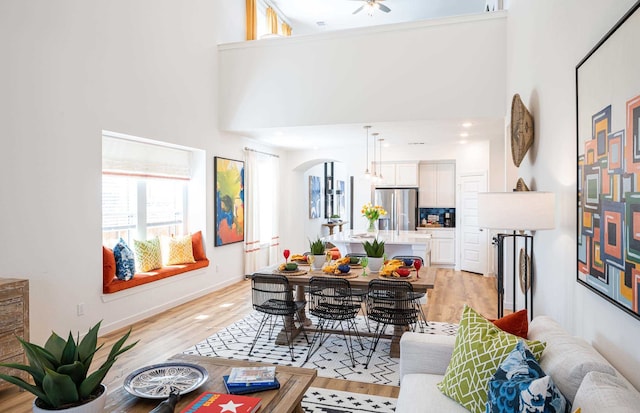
[[395, 243]]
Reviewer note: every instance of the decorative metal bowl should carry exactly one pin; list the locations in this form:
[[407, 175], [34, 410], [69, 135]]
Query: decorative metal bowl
[[156, 381]]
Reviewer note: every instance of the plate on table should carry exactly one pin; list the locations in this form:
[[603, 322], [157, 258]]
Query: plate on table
[[291, 272], [345, 275], [409, 278], [157, 381]]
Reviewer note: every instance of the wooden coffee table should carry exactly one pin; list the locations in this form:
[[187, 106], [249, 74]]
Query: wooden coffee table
[[294, 382]]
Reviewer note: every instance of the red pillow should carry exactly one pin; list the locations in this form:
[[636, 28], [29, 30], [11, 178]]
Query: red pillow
[[108, 265], [516, 323], [198, 246]]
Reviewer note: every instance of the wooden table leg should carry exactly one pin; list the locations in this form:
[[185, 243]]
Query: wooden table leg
[[290, 328], [398, 331]]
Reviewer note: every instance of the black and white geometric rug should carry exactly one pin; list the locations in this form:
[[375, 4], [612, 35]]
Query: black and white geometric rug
[[318, 400], [330, 360]]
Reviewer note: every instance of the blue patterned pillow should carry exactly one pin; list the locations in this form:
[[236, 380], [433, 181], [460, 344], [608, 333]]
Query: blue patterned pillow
[[125, 264], [520, 385]]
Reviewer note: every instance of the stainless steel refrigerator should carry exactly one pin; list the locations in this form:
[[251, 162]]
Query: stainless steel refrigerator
[[401, 205]]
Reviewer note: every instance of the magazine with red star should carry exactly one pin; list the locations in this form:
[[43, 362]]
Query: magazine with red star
[[210, 402]]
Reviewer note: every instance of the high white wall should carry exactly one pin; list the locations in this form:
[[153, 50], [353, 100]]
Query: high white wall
[[71, 69], [541, 67], [440, 69]]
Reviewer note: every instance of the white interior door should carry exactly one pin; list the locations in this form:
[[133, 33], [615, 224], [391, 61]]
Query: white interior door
[[474, 240]]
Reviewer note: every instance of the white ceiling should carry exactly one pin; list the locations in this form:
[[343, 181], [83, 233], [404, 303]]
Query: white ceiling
[[395, 134], [303, 16]]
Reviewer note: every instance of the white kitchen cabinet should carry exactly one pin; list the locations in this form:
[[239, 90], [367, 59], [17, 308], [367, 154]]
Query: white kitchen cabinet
[[443, 245], [443, 252], [388, 171], [398, 174], [437, 185]]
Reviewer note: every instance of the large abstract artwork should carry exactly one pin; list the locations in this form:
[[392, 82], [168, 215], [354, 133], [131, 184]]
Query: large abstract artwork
[[229, 201], [608, 121], [314, 197]]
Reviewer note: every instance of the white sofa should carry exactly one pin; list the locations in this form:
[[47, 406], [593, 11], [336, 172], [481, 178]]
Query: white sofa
[[585, 378]]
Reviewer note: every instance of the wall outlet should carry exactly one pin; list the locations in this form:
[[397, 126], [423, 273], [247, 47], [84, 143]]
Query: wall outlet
[[80, 309]]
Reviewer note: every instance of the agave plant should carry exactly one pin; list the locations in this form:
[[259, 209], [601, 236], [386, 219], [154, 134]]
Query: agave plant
[[374, 249], [317, 247], [59, 369]]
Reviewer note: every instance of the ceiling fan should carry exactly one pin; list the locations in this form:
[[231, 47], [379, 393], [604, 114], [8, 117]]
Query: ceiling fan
[[371, 6]]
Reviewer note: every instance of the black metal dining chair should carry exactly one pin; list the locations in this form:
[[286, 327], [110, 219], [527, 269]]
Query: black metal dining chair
[[330, 300], [360, 293], [389, 302], [419, 298], [272, 296]]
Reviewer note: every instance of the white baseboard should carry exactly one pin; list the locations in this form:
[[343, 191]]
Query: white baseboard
[[125, 322]]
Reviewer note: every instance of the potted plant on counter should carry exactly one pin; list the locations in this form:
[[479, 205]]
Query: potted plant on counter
[[318, 253], [60, 372], [375, 252]]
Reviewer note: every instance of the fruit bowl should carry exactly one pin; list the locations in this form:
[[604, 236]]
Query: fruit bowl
[[291, 266], [403, 272], [344, 268]]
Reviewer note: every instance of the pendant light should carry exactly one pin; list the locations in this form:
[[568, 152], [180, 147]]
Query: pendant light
[[367, 174], [375, 173], [380, 163]]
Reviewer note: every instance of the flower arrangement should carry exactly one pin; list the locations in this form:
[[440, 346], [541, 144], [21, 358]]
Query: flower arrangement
[[372, 213]]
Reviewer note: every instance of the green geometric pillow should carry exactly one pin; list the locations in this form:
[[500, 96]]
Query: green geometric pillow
[[480, 347], [148, 255]]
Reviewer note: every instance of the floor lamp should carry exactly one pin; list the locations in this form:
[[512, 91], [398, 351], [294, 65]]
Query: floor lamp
[[517, 211]]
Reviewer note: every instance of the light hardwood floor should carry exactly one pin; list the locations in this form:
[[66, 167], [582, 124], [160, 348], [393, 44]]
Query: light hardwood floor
[[173, 331]]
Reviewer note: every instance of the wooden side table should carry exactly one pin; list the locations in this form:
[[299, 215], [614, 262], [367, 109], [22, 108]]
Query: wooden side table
[[14, 321], [335, 224]]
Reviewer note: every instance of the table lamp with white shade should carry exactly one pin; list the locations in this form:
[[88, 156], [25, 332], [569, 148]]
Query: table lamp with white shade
[[516, 211]]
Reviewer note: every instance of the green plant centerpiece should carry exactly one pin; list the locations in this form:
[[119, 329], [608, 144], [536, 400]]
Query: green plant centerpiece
[[374, 249], [317, 249], [60, 369], [375, 252]]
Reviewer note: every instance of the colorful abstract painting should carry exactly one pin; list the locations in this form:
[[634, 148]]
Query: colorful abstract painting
[[315, 204], [229, 201], [608, 122]]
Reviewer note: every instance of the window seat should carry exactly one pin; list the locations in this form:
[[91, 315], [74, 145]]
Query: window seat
[[111, 283], [140, 278]]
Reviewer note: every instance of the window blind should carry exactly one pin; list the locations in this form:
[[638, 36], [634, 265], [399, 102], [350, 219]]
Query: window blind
[[123, 156]]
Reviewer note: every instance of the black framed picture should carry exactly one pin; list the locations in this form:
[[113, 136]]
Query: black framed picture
[[607, 122]]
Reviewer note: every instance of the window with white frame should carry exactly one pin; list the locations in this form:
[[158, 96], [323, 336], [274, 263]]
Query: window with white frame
[[145, 189]]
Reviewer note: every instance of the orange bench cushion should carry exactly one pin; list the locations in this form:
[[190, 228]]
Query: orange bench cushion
[[111, 284], [140, 278]]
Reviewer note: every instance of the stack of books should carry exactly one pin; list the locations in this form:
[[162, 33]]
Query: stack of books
[[209, 402], [244, 380]]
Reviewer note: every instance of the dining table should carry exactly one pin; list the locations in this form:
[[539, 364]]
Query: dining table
[[359, 278]]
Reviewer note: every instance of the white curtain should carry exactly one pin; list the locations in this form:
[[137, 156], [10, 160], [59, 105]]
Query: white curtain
[[262, 240]]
